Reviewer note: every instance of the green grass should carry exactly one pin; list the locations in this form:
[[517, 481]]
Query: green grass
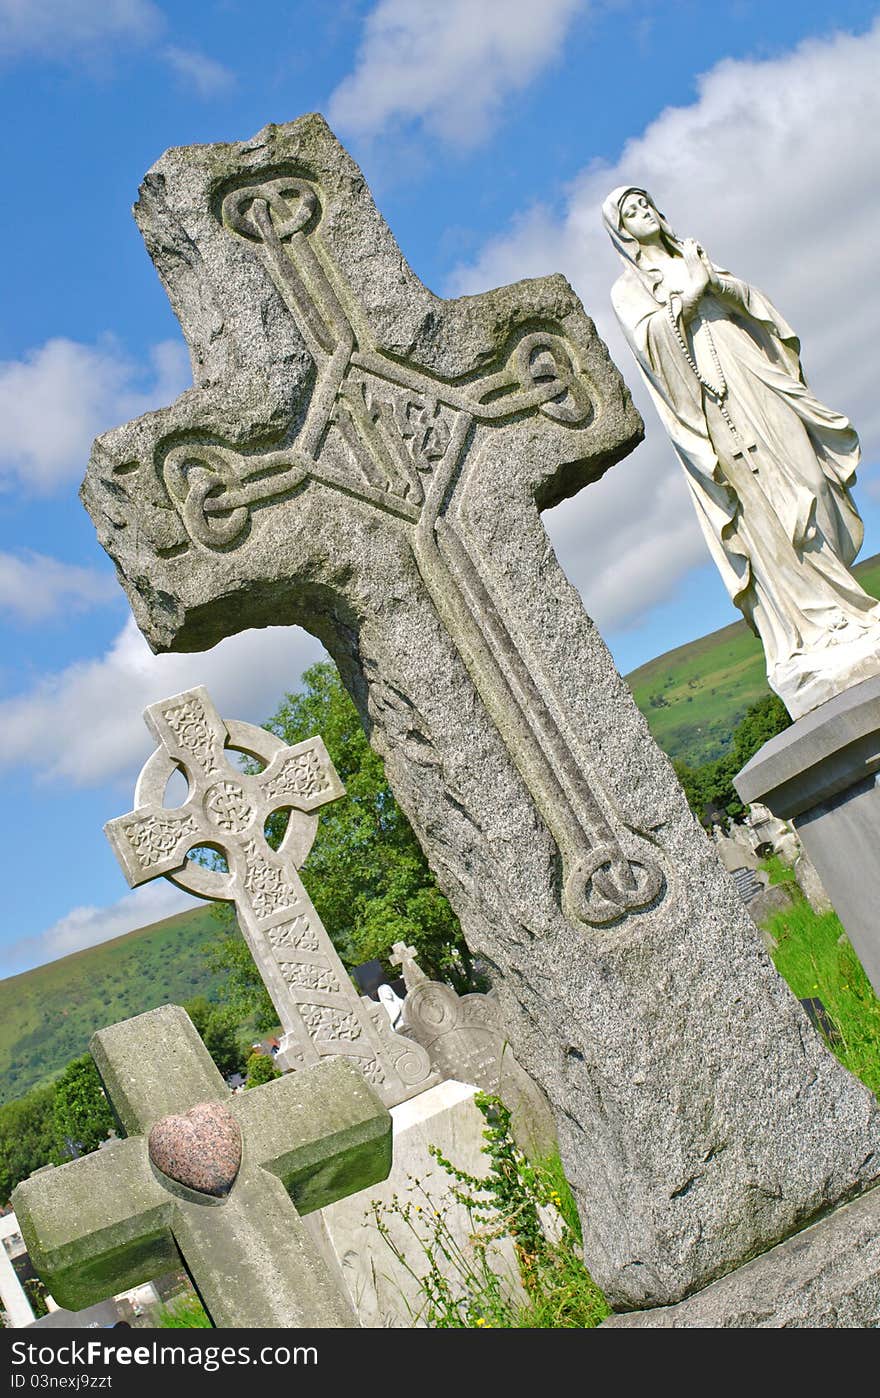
[[184, 1313], [48, 1015], [816, 959], [693, 697]]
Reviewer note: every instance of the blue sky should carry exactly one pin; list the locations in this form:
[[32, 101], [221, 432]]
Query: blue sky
[[489, 131]]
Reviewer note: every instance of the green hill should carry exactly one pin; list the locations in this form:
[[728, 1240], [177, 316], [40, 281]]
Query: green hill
[[694, 696], [48, 1015]]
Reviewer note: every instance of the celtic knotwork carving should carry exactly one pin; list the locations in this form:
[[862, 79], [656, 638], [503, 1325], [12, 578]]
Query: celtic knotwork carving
[[312, 994], [606, 884], [323, 1021], [289, 202], [309, 977], [189, 723], [297, 933], [301, 777], [228, 807], [393, 435], [156, 837], [547, 360], [373, 1071], [269, 889]]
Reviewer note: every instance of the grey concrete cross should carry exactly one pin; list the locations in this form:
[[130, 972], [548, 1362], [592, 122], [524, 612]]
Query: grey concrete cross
[[206, 1179], [320, 1010], [371, 461]]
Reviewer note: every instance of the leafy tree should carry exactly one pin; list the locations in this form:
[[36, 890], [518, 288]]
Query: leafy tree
[[260, 1068], [761, 722], [218, 1028], [710, 786], [243, 996], [366, 873], [27, 1137], [81, 1113]]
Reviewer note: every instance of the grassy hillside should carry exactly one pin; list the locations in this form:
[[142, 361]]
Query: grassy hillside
[[48, 1015], [694, 696]]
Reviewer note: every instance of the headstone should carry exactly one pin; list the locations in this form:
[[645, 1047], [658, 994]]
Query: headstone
[[106, 1315], [820, 1018], [370, 461], [770, 835], [466, 1042], [384, 1285], [206, 1179], [319, 1008]]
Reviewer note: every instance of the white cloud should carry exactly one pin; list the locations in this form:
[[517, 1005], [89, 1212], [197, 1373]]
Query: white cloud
[[87, 926], [53, 28], [198, 73], [34, 587], [55, 400], [773, 168], [448, 63], [85, 723]]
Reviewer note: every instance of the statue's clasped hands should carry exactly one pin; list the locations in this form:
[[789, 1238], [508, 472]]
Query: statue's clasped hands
[[697, 275]]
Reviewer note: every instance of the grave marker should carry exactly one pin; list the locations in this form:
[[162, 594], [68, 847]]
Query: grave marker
[[208, 1179], [370, 461], [319, 1008]]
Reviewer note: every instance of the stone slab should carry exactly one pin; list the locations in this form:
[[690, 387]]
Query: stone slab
[[825, 1277], [822, 774], [382, 1288]]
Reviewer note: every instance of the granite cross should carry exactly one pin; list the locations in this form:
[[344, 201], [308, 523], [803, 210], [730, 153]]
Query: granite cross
[[206, 1179], [320, 1010], [371, 461]]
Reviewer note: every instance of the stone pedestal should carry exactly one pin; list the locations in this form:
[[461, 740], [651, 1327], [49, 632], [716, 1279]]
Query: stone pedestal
[[827, 1277], [821, 774]]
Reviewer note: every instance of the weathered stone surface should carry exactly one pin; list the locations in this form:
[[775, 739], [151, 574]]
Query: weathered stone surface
[[464, 1037], [320, 1010], [370, 461], [826, 1277], [775, 898], [822, 775], [200, 1148], [108, 1221]]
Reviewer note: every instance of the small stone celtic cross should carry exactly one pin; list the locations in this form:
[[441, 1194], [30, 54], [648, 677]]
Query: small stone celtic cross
[[207, 1179], [320, 1010]]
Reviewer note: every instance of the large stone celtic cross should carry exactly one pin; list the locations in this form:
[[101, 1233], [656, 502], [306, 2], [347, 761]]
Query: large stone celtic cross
[[320, 1010], [402, 451], [371, 461]]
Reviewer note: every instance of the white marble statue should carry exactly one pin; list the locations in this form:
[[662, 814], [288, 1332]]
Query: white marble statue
[[769, 467], [393, 1004]]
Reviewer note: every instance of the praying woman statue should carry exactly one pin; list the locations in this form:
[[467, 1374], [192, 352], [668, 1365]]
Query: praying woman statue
[[769, 467]]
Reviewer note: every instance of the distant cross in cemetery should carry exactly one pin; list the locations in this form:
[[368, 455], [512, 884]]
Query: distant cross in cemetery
[[320, 1010], [206, 1179]]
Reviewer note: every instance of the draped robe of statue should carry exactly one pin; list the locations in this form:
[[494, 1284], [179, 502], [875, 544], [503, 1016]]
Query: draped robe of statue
[[769, 468]]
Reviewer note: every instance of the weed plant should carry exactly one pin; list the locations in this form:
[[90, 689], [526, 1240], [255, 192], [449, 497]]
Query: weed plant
[[531, 1204]]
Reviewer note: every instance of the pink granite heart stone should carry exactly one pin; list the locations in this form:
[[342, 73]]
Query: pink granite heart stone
[[200, 1148]]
